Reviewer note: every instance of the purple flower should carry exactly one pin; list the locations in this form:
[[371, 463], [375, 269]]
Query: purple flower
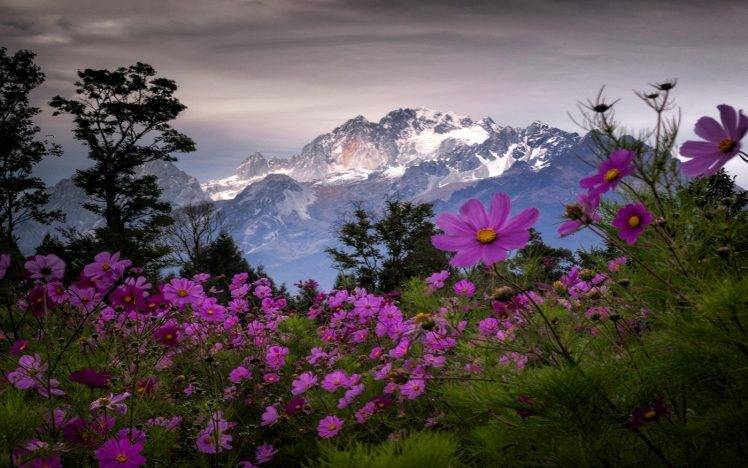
[[276, 356], [334, 380], [45, 267], [329, 426], [296, 405], [619, 164], [722, 142], [436, 280], [464, 288], [112, 402], [91, 378], [647, 414], [106, 269], [181, 291], [413, 388], [579, 214], [269, 416], [239, 374], [265, 453], [631, 220], [476, 235], [213, 438], [120, 453], [303, 383]]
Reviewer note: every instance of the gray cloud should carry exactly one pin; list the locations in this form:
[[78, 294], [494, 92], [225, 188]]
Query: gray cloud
[[270, 75]]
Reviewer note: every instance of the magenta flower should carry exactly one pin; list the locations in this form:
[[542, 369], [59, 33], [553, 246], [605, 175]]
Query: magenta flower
[[436, 280], [18, 347], [276, 356], [329, 426], [631, 220], [265, 453], [181, 291], [120, 453], [45, 267], [579, 214], [112, 402], [91, 378], [619, 164], [464, 288], [269, 416], [296, 405], [213, 439], [722, 142], [413, 388], [615, 264], [167, 335], [479, 236], [211, 311], [106, 269], [239, 374], [303, 383], [334, 380]]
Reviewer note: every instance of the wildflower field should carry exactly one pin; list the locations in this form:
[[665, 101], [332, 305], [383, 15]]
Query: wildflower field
[[633, 353]]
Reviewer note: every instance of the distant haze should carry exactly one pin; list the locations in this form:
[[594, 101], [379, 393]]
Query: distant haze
[[271, 75]]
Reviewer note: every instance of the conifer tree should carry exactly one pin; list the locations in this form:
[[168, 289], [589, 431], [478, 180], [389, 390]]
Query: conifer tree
[[124, 119], [22, 195]]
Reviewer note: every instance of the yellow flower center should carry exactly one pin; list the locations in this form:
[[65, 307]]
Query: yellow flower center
[[416, 387], [106, 266], [634, 221], [121, 458], [128, 299], [651, 414], [332, 426], [726, 145], [486, 235], [182, 293], [611, 175], [422, 317], [168, 336]]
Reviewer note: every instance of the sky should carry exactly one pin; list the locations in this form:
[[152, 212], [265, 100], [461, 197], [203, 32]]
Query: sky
[[270, 75]]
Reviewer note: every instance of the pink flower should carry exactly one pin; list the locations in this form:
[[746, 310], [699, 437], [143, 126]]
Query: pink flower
[[106, 269], [476, 235], [436, 280], [619, 164], [120, 453], [582, 213], [18, 347], [464, 288], [303, 383], [181, 291], [597, 313], [413, 388], [276, 356], [329, 426], [45, 267], [112, 402], [211, 311], [213, 439], [615, 264], [265, 453], [269, 416], [631, 220], [239, 374], [722, 142], [30, 375], [334, 380]]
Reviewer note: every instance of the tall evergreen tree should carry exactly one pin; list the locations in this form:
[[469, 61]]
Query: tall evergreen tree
[[22, 195], [382, 252], [123, 117]]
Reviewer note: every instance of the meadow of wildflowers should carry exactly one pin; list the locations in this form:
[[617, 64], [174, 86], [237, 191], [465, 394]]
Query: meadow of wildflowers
[[635, 355]]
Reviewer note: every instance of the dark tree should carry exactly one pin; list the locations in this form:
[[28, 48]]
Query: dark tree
[[381, 253], [223, 257], [22, 196], [539, 262], [123, 117], [193, 229]]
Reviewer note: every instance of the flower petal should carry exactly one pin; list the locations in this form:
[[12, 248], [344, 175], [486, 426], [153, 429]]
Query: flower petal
[[467, 257], [709, 129], [453, 225], [513, 240], [695, 149], [742, 127], [452, 243], [493, 253], [522, 221], [500, 206], [474, 214], [729, 119]]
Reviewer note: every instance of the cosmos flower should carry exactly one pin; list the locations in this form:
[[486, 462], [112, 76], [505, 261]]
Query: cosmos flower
[[436, 280], [619, 164], [303, 383], [329, 426], [112, 402], [269, 416], [181, 291], [106, 269], [413, 388], [580, 214], [334, 380], [45, 267], [239, 374], [91, 378], [479, 236], [722, 142], [213, 439], [265, 453], [464, 288], [120, 453], [631, 220]]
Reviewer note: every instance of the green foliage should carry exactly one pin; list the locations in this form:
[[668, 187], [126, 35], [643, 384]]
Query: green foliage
[[420, 449], [22, 195], [382, 252], [123, 118]]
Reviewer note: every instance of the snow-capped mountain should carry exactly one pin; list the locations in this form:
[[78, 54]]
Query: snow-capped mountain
[[178, 188], [282, 212], [465, 149]]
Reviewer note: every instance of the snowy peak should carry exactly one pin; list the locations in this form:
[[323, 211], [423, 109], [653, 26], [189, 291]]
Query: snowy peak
[[466, 149]]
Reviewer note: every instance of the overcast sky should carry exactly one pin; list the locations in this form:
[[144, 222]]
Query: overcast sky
[[270, 75]]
